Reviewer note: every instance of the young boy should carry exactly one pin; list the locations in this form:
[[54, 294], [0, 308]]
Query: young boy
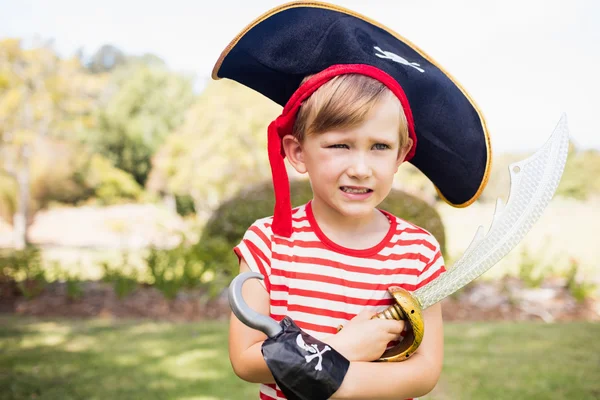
[[357, 100]]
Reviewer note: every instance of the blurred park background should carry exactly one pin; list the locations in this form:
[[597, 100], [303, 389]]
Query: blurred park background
[[127, 175]]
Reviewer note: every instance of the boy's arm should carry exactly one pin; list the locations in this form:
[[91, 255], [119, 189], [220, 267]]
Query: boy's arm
[[414, 377], [245, 343]]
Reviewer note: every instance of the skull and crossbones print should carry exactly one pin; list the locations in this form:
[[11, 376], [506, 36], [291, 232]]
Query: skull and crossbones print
[[314, 350], [396, 58]]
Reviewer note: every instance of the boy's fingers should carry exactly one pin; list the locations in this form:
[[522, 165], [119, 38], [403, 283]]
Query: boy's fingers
[[365, 315], [393, 326]]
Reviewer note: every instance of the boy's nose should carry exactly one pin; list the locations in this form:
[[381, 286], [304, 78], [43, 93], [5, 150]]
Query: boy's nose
[[360, 168]]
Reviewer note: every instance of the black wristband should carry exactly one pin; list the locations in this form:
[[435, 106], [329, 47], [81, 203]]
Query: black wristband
[[304, 368]]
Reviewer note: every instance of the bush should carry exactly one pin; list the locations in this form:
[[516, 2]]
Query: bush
[[231, 220], [123, 278], [580, 186], [25, 268], [173, 270], [529, 272], [110, 184], [8, 197], [74, 287], [579, 289], [185, 205], [185, 267]]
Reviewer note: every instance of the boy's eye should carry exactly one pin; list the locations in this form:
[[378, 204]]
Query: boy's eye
[[338, 146], [381, 146]]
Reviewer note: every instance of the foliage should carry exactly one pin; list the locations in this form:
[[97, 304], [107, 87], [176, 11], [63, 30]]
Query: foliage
[[576, 184], [109, 184], [53, 178], [74, 289], [498, 185], [109, 58], [42, 94], [220, 148], [170, 270], [65, 172], [183, 267], [41, 97], [147, 103], [105, 59], [529, 271], [411, 180], [578, 287], [185, 205], [123, 278], [54, 173], [573, 184], [8, 200], [25, 267], [231, 220]]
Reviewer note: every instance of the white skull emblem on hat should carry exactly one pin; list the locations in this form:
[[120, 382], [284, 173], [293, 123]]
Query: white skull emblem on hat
[[395, 57]]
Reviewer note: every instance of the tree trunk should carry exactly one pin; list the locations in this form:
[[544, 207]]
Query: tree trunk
[[21, 214], [170, 202]]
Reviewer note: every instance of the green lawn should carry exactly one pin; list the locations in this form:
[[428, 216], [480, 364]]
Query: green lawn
[[98, 359]]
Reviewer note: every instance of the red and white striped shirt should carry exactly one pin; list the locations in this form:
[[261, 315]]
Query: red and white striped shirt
[[322, 285]]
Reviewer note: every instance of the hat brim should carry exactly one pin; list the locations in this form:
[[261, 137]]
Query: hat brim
[[276, 51]]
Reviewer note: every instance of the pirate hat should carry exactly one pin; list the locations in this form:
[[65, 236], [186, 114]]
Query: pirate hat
[[274, 53]]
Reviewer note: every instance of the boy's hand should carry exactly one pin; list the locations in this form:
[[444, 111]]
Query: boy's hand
[[365, 339]]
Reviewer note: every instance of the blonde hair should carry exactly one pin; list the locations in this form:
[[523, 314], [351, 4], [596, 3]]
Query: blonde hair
[[343, 103]]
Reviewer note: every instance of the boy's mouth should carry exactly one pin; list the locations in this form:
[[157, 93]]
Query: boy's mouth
[[355, 189]]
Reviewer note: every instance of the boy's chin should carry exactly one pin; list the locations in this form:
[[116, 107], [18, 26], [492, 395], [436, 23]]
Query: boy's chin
[[357, 209]]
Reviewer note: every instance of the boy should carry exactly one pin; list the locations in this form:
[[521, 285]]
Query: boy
[[358, 99]]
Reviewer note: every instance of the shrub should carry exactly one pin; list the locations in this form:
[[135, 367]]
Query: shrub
[[8, 197], [74, 287], [25, 268], [123, 278], [529, 273], [229, 222], [185, 205], [110, 184], [170, 270], [579, 289], [185, 267]]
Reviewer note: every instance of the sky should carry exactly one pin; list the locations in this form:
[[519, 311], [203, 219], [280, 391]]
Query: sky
[[524, 62]]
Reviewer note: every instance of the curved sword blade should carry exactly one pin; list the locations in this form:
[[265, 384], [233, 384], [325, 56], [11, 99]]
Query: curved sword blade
[[533, 182]]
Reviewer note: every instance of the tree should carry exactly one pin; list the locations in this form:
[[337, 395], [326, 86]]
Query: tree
[[146, 103], [105, 59], [41, 96], [220, 148], [108, 58]]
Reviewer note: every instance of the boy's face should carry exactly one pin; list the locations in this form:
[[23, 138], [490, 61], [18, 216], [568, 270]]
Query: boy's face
[[352, 170]]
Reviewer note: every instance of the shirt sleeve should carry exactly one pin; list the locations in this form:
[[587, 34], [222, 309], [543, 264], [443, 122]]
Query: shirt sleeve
[[255, 249], [434, 267]]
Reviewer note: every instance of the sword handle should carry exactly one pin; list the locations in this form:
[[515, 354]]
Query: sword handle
[[406, 308]]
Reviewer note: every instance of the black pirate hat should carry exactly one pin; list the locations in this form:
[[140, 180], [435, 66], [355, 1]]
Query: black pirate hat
[[278, 50]]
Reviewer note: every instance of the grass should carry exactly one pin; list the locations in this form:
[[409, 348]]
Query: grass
[[100, 359], [521, 361]]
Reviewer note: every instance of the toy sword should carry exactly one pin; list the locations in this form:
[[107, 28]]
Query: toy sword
[[533, 182]]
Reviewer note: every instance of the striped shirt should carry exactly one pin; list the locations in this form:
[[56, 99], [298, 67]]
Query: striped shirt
[[322, 285]]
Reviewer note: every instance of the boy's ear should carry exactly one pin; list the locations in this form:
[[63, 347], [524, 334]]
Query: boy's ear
[[403, 152], [294, 153]]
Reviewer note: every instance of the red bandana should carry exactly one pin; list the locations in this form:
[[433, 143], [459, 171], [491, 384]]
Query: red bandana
[[283, 125]]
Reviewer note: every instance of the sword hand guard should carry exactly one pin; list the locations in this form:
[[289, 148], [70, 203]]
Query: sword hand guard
[[406, 308]]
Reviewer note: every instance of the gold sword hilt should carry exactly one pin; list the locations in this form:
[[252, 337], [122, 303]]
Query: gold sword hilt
[[408, 309]]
